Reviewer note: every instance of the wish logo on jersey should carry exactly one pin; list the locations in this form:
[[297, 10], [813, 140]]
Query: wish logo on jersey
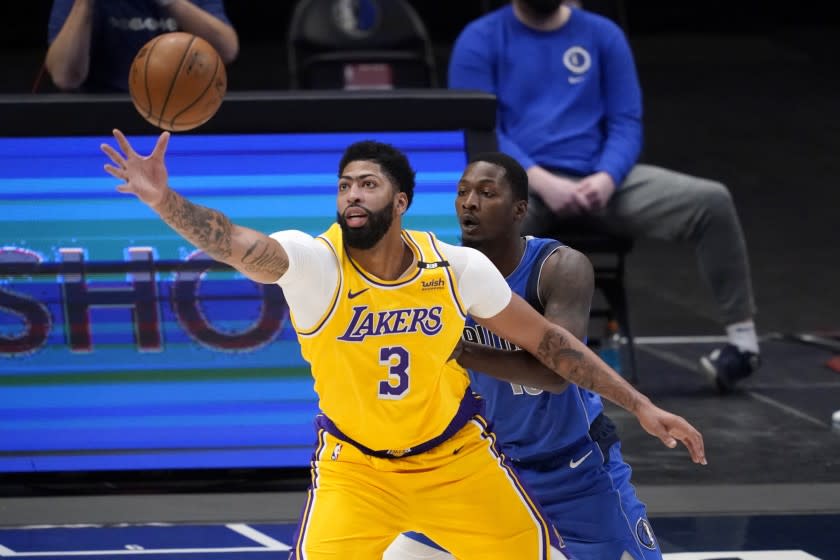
[[480, 335], [436, 284], [394, 321]]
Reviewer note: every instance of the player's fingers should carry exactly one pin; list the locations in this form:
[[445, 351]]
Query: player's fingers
[[668, 440], [160, 146], [123, 142], [117, 172], [124, 188], [113, 154], [696, 447], [693, 441], [696, 454]]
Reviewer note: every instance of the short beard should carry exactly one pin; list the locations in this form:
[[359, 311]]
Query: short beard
[[372, 232]]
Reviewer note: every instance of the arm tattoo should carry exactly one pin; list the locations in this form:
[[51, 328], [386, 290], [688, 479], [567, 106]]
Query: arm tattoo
[[262, 257], [208, 229], [556, 352]]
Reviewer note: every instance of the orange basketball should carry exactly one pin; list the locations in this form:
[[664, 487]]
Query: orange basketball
[[177, 81]]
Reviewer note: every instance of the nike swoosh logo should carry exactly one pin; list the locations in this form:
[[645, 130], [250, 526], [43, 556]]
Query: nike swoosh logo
[[576, 79], [575, 464], [351, 295]]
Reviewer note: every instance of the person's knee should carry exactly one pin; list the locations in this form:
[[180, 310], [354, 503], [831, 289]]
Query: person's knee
[[714, 197]]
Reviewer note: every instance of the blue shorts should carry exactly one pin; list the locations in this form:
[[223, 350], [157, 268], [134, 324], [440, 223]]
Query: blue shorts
[[591, 503]]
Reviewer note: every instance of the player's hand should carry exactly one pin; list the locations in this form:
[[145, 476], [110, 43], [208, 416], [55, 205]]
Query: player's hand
[[594, 192], [670, 429], [144, 176]]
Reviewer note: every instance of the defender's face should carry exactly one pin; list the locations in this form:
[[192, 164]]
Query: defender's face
[[484, 204], [367, 203]]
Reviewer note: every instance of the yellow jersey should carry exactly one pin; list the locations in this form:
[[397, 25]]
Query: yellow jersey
[[380, 353]]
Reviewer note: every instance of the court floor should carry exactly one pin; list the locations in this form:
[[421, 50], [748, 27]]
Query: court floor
[[701, 538]]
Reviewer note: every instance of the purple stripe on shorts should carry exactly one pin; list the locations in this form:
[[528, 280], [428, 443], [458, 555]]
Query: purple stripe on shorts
[[554, 539], [300, 532]]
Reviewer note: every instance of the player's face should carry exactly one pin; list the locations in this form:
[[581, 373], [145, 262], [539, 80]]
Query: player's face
[[366, 204], [484, 204]]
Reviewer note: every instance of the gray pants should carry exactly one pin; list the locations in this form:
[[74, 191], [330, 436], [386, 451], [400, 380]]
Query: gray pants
[[662, 204]]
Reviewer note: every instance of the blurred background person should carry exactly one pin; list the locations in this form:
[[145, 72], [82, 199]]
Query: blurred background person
[[570, 111], [93, 42]]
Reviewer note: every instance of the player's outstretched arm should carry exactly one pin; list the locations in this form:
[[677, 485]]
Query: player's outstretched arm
[[559, 350], [254, 254]]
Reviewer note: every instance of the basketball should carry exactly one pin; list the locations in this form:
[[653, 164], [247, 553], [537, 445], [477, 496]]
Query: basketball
[[177, 81]]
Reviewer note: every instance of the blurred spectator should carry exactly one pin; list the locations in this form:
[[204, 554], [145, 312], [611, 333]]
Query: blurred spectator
[[570, 112], [92, 42]]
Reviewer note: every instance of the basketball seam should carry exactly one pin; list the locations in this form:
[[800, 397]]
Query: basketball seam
[[145, 84], [198, 98], [174, 79], [146, 76]]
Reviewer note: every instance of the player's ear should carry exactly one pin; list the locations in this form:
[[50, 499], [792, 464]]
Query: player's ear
[[401, 203], [520, 208]]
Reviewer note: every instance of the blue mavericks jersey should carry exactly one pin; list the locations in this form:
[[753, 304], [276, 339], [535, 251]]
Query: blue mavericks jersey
[[532, 424]]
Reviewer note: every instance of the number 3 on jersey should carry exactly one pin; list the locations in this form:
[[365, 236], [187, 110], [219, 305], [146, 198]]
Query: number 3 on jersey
[[395, 358]]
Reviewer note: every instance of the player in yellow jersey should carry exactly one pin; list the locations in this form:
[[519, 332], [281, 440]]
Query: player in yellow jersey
[[379, 310]]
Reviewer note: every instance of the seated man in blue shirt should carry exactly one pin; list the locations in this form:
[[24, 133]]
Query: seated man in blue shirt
[[93, 42], [570, 112]]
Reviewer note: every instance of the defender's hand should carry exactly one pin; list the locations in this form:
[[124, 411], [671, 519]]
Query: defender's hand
[[144, 176]]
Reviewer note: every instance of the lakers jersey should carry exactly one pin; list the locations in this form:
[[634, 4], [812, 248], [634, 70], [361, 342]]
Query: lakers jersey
[[380, 353]]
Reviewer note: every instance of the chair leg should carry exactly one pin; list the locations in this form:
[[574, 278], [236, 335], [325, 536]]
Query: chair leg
[[624, 322], [630, 346]]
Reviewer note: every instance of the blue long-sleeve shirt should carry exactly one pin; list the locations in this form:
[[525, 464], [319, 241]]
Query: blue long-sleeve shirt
[[568, 99]]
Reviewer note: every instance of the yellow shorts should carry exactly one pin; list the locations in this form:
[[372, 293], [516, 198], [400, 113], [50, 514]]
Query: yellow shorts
[[462, 494]]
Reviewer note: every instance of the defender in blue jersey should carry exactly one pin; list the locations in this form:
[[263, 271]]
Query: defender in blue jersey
[[563, 446]]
